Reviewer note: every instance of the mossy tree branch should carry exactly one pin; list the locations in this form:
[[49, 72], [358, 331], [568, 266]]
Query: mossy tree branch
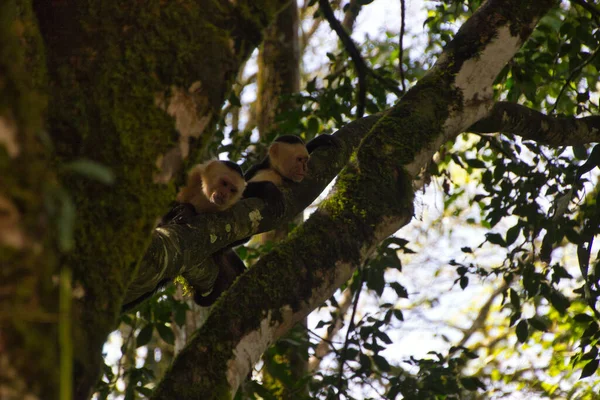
[[511, 118], [181, 249]]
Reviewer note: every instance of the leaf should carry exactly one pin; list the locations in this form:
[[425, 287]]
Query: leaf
[[398, 314], [538, 323], [144, 390], [66, 222], [522, 331], [512, 234], [589, 369], [475, 163], [472, 383], [144, 336], [384, 337], [92, 170], [591, 330], [312, 126], [559, 301], [351, 353], [166, 333], [400, 290], [515, 300], [495, 238], [583, 318], [381, 363]]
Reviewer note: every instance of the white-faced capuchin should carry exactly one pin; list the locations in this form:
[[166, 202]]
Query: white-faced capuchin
[[286, 161], [212, 186]]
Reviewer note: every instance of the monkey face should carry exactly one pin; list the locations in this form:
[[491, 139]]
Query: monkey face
[[226, 191], [291, 160], [222, 186], [212, 186]]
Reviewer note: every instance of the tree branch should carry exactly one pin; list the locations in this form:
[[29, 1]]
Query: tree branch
[[350, 46], [182, 249], [572, 76], [401, 44], [511, 118]]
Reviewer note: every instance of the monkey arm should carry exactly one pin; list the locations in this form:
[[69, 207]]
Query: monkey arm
[[230, 267], [269, 193], [178, 214]]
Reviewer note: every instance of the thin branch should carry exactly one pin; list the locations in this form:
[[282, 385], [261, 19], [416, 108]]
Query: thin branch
[[350, 329], [515, 119], [572, 76], [351, 14], [479, 321], [350, 46], [337, 323], [401, 45]]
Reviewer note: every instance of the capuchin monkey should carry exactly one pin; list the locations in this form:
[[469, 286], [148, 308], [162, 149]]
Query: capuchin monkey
[[210, 187], [286, 161], [213, 186]]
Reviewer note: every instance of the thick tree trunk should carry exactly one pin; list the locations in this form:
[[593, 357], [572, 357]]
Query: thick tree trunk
[[128, 85]]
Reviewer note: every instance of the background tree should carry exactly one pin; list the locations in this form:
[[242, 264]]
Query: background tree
[[105, 105]]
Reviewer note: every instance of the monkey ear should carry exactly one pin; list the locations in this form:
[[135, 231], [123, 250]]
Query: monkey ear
[[274, 150]]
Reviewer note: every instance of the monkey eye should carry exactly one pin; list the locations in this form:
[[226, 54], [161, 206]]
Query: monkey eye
[[300, 159], [224, 183], [234, 190]]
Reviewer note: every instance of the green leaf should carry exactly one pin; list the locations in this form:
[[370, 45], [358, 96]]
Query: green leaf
[[538, 323], [559, 301], [522, 331], [92, 170], [381, 363], [166, 333], [589, 369], [351, 353], [312, 126], [144, 336], [144, 390], [66, 221], [583, 318], [495, 238], [515, 300], [475, 163], [384, 337], [512, 234], [398, 314], [472, 383], [591, 330]]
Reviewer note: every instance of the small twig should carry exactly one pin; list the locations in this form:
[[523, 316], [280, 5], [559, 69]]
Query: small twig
[[401, 49], [573, 74], [350, 329], [350, 46]]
